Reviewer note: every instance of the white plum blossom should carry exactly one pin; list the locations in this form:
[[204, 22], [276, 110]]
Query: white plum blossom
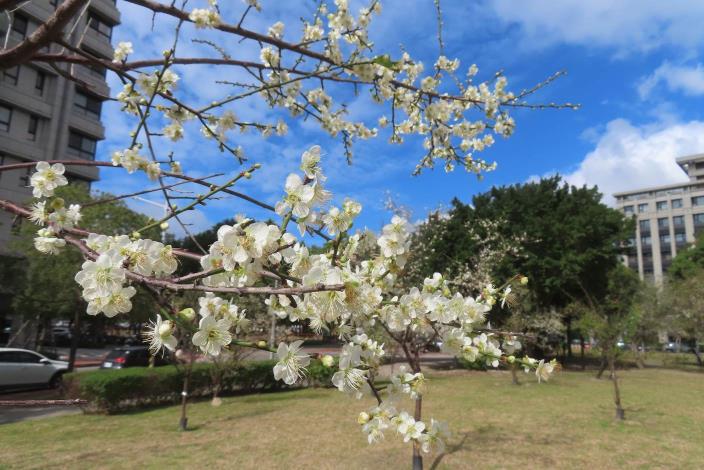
[[204, 18], [212, 335], [544, 370], [47, 178], [290, 366], [123, 49], [159, 335], [46, 242], [298, 199]]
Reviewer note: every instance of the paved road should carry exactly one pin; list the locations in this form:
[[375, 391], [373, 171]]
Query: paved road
[[11, 415]]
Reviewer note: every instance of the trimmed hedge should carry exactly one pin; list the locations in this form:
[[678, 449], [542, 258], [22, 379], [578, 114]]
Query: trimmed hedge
[[111, 391]]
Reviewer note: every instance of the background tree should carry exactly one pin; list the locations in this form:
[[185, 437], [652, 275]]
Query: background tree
[[563, 238], [607, 318], [685, 305], [688, 262], [45, 287]]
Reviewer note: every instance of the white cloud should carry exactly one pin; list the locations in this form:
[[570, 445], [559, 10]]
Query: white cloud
[[677, 78], [628, 157], [626, 25]]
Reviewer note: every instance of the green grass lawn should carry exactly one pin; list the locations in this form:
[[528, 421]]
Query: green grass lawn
[[566, 423]]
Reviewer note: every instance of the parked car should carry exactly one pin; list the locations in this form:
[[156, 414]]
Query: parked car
[[130, 356], [672, 346], [21, 368]]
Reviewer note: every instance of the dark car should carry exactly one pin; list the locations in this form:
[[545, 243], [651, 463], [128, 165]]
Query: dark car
[[130, 356]]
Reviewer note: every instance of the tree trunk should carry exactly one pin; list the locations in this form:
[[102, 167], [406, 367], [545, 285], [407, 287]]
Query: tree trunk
[[620, 413], [569, 338], [581, 352], [417, 456], [697, 353], [602, 368], [183, 422], [514, 376], [640, 362], [76, 333]]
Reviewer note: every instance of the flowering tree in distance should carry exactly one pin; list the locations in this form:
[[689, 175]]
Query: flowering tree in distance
[[304, 71]]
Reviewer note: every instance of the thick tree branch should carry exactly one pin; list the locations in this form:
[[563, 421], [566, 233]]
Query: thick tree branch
[[47, 32]]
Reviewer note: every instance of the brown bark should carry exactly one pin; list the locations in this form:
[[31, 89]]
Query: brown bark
[[76, 333], [620, 412], [183, 422], [417, 455], [47, 32]]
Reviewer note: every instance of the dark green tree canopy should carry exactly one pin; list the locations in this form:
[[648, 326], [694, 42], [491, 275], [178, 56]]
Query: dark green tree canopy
[[688, 262], [569, 240]]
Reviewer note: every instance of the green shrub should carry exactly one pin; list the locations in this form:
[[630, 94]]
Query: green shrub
[[119, 389]]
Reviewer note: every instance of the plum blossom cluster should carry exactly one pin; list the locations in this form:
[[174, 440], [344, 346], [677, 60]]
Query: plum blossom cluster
[[346, 290], [50, 212], [104, 280], [457, 115]]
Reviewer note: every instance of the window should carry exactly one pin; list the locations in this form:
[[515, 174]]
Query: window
[[5, 118], [676, 203], [11, 75], [680, 238], [95, 69], [698, 201], [698, 219], [646, 241], [665, 240], [33, 127], [644, 225], [661, 206], [678, 221], [24, 180], [663, 223], [87, 104], [40, 82], [643, 207], [99, 25], [628, 210], [19, 24], [82, 144]]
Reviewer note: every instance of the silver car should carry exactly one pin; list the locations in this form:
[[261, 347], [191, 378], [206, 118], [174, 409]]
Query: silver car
[[21, 368]]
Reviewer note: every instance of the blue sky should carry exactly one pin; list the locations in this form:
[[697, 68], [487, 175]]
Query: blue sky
[[634, 66]]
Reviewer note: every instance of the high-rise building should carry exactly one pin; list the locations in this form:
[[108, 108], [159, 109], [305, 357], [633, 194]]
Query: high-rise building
[[46, 116], [43, 114], [668, 219]]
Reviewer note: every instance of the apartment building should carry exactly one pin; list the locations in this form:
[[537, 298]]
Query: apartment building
[[668, 219], [45, 116]]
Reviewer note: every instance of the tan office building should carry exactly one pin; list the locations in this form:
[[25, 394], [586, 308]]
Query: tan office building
[[44, 116], [668, 219]]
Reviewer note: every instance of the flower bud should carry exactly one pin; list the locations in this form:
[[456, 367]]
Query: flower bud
[[327, 360], [136, 235], [164, 225], [257, 165], [57, 203], [166, 328], [511, 359], [524, 280], [363, 418], [261, 344], [187, 313]]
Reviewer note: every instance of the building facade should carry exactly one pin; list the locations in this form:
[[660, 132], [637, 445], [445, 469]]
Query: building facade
[[45, 116], [668, 219]]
